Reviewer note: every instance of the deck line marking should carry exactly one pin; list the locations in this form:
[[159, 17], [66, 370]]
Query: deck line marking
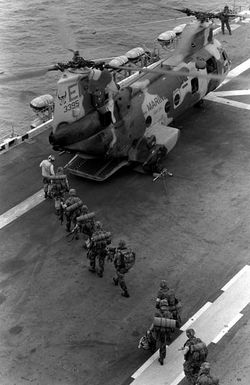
[[233, 93], [236, 72], [213, 98], [226, 329], [235, 277], [146, 364], [20, 209], [178, 379], [195, 316]]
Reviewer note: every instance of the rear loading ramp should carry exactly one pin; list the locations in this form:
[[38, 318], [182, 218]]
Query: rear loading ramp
[[94, 169]]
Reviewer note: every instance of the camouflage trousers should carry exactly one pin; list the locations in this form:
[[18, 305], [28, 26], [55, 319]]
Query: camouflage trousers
[[120, 280], [46, 185], [98, 256], [191, 370]]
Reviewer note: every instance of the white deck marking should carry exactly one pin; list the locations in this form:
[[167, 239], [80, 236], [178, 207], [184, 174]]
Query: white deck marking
[[210, 326], [233, 93], [235, 277], [146, 364], [227, 328], [236, 72], [20, 209], [195, 316], [233, 103]]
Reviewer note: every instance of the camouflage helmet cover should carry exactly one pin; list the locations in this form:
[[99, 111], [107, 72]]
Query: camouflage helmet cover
[[85, 208], [60, 170], [121, 243], [98, 225], [190, 332], [205, 367], [163, 284], [72, 192]]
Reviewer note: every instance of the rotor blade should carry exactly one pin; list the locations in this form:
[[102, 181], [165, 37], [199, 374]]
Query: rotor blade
[[25, 75], [184, 72]]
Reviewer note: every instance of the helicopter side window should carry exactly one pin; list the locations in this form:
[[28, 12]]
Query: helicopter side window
[[194, 85]]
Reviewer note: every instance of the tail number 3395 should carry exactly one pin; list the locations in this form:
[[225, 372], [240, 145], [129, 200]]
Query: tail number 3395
[[71, 106]]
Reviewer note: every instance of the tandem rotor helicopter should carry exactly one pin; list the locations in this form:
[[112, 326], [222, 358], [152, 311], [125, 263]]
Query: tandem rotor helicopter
[[117, 113]]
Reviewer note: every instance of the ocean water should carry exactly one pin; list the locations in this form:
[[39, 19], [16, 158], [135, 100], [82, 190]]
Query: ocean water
[[37, 33]]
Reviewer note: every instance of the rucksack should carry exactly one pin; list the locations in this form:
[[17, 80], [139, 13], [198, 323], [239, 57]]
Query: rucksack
[[128, 258]]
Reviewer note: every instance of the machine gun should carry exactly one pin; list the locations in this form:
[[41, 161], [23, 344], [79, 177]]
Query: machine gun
[[162, 174]]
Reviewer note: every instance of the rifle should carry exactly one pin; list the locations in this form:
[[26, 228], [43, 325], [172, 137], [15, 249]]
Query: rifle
[[74, 232]]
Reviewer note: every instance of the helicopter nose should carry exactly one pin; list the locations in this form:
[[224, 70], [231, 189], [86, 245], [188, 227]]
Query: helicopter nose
[[65, 134]]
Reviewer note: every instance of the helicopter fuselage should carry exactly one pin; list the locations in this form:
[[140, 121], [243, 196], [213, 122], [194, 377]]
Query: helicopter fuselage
[[97, 117]]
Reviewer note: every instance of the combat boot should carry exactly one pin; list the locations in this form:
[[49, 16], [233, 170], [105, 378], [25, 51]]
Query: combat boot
[[92, 269], [161, 360], [100, 274], [125, 294], [115, 281]]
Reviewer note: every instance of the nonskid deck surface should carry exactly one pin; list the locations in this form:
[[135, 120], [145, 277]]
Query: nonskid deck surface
[[58, 321]]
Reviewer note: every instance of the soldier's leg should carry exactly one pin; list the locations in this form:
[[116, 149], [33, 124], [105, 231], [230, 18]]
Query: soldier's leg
[[101, 262], [68, 222], [92, 257], [122, 284], [228, 27], [162, 351], [223, 27], [45, 187]]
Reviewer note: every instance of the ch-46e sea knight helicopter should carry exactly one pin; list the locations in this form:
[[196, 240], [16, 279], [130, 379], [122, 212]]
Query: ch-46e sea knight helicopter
[[109, 123]]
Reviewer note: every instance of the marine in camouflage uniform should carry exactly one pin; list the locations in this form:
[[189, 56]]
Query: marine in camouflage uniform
[[162, 334], [162, 293], [174, 306], [88, 227], [193, 360], [59, 187], [97, 251], [204, 376], [72, 215], [120, 268]]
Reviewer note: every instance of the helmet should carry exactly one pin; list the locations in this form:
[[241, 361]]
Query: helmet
[[84, 208], [205, 367], [51, 158], [163, 284], [60, 170], [72, 192], [98, 225], [121, 244], [190, 333]]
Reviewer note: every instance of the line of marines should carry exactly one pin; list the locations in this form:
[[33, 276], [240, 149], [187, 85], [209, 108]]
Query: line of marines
[[166, 320], [80, 221]]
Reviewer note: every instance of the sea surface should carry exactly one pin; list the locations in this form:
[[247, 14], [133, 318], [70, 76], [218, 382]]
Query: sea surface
[[37, 33]]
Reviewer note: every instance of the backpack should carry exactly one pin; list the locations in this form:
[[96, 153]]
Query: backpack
[[128, 258], [199, 351]]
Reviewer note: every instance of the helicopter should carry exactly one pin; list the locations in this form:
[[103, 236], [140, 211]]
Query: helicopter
[[118, 113]]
